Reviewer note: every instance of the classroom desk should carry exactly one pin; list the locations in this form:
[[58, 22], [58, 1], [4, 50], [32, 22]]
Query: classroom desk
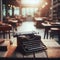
[[38, 22], [47, 27]]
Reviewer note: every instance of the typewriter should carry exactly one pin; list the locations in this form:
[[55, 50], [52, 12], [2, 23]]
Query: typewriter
[[30, 43]]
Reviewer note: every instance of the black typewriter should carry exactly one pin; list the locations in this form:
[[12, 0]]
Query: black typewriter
[[30, 43]]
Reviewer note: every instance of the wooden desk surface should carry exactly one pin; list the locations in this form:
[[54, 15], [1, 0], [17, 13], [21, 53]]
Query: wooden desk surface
[[13, 21], [51, 52], [11, 49]]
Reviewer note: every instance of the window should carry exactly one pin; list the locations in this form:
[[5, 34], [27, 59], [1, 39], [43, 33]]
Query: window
[[29, 11], [10, 11], [4, 12], [33, 2], [16, 11]]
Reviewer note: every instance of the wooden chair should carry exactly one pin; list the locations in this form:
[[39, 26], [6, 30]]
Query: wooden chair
[[5, 29]]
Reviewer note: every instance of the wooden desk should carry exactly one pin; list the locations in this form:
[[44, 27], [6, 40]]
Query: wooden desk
[[50, 50], [11, 48], [38, 22], [47, 27], [39, 19], [4, 47], [53, 52], [13, 22]]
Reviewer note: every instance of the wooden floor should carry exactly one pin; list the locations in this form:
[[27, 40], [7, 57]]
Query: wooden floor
[[53, 47]]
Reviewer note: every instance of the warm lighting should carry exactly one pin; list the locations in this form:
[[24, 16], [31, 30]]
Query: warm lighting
[[9, 5], [31, 2], [50, 7], [46, 3], [43, 6], [13, 6]]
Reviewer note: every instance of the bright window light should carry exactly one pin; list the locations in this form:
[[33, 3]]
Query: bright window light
[[32, 2], [46, 3], [16, 11], [43, 6], [29, 11]]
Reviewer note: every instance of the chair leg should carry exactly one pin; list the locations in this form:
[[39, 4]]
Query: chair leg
[[3, 34], [44, 34], [51, 34], [47, 33]]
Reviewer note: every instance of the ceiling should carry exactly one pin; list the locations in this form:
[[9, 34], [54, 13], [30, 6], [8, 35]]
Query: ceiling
[[17, 2]]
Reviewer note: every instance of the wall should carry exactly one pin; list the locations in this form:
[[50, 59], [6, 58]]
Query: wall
[[1, 17]]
